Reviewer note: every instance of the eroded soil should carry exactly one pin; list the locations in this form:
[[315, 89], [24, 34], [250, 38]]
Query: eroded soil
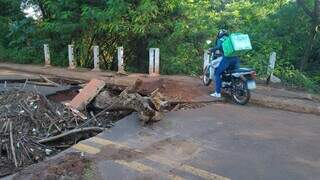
[[69, 166]]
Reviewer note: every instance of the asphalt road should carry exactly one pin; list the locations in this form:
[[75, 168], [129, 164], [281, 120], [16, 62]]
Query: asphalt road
[[219, 141]]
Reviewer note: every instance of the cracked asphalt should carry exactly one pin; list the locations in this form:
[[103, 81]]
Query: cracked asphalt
[[219, 141]]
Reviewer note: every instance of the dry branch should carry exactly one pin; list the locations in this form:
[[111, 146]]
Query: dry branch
[[49, 81], [74, 131], [12, 146], [28, 118]]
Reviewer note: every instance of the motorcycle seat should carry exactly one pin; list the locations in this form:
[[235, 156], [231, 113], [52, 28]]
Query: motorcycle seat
[[241, 70]]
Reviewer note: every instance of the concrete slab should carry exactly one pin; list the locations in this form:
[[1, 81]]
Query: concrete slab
[[87, 94]]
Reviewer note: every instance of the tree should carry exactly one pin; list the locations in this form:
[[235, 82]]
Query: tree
[[314, 16], [179, 28]]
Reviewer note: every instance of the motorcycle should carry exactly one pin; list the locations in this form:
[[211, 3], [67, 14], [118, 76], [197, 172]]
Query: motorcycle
[[236, 82]]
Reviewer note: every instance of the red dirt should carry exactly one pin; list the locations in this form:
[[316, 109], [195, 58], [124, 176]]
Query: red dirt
[[178, 88], [71, 165], [181, 89]]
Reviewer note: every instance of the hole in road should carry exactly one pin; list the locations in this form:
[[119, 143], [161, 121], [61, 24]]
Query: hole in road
[[35, 118]]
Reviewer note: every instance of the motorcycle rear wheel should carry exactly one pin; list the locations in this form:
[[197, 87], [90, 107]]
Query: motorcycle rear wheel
[[241, 94]]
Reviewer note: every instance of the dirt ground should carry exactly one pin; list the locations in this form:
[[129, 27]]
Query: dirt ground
[[180, 89], [69, 166], [176, 88]]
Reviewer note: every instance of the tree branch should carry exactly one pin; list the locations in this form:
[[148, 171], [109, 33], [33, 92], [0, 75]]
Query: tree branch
[[74, 131]]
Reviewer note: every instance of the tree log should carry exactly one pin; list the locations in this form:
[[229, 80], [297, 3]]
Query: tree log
[[148, 108]]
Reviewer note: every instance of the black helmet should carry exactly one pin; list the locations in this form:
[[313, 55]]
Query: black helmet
[[222, 33]]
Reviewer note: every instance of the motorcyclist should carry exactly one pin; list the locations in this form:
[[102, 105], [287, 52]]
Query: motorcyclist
[[226, 62]]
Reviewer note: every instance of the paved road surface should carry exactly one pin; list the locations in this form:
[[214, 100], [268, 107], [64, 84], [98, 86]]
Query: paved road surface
[[215, 142]]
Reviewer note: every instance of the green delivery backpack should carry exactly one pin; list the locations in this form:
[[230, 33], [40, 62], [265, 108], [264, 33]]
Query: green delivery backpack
[[236, 44]]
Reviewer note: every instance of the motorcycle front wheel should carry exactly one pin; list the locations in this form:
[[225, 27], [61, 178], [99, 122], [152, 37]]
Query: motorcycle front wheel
[[206, 76], [241, 94]]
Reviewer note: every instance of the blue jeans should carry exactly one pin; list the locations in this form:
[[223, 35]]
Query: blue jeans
[[226, 62]]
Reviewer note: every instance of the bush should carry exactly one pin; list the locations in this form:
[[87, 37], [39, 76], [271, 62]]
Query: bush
[[294, 78]]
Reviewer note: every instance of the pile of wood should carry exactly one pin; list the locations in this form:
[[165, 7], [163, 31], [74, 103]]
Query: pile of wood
[[28, 121], [149, 108], [32, 127]]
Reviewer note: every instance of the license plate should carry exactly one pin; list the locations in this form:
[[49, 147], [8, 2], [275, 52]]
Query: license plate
[[251, 85]]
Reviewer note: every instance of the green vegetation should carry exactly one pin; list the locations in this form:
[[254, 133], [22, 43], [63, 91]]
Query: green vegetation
[[179, 28]]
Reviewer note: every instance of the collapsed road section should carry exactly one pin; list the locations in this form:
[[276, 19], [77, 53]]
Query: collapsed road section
[[33, 126]]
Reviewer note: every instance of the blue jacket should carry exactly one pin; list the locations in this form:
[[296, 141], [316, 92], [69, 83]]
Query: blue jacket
[[218, 45]]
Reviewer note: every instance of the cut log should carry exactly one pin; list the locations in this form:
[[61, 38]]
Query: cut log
[[148, 108], [158, 100]]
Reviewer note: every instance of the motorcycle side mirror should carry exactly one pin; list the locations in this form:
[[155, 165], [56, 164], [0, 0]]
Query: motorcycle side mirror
[[209, 42]]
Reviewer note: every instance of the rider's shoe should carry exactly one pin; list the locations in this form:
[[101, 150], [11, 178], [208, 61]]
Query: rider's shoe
[[216, 95]]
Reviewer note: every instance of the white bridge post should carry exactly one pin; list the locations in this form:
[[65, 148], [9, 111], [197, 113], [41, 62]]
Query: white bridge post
[[72, 64], [272, 63], [96, 58], [47, 60], [154, 61], [121, 60], [271, 66]]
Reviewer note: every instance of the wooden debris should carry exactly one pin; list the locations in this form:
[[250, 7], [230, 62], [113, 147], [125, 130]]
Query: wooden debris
[[87, 94], [49, 81], [148, 108], [29, 120], [41, 83], [158, 100], [12, 146], [103, 100], [32, 127], [74, 131]]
